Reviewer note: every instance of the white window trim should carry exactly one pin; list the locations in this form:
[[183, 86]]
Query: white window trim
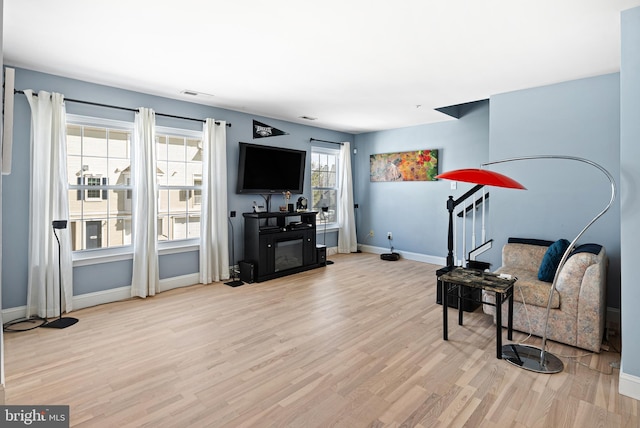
[[183, 133], [107, 255], [76, 119], [333, 226], [125, 252]]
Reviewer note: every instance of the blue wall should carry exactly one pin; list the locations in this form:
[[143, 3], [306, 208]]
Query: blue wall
[[415, 212], [577, 118], [110, 275], [630, 217]]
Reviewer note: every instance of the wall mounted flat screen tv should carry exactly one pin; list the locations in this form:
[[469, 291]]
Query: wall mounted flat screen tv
[[266, 169]]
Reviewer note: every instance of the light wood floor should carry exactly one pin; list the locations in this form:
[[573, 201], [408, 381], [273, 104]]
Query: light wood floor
[[355, 344]]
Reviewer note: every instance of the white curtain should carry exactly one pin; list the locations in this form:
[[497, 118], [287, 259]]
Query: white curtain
[[48, 201], [144, 281], [214, 236], [347, 240]]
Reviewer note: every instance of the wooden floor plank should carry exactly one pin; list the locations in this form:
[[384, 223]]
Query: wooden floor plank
[[354, 344]]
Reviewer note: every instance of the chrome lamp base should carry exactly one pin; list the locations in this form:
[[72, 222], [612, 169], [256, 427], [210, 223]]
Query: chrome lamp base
[[528, 358]]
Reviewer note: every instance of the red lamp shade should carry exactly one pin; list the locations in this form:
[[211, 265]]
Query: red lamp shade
[[481, 176]]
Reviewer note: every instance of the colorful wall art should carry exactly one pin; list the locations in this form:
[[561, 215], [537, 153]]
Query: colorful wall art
[[419, 165]]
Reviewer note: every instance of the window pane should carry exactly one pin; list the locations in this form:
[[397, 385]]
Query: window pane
[[324, 185], [163, 228], [119, 203], [178, 201], [93, 206], [91, 193], [119, 172], [98, 157], [179, 227], [74, 140], [194, 226], [161, 147], [74, 168], [197, 194], [194, 172], [179, 215], [194, 151], [95, 233], [176, 149], [327, 199], [76, 235], [94, 166], [177, 174], [119, 144], [331, 179], [163, 202], [161, 154], [94, 142], [119, 231]]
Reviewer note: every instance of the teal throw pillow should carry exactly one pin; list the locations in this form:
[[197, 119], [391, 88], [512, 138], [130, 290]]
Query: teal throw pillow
[[551, 260]]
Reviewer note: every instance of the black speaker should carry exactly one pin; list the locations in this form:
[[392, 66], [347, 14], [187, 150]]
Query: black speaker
[[247, 273], [321, 255]]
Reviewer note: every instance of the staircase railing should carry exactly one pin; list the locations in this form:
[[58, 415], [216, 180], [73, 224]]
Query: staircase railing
[[476, 238]]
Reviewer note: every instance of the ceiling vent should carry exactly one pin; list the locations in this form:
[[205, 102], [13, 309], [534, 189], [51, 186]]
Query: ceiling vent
[[195, 93]]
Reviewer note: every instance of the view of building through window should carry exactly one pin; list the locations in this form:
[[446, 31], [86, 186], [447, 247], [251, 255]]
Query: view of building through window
[[100, 183], [180, 181], [98, 169], [324, 186]]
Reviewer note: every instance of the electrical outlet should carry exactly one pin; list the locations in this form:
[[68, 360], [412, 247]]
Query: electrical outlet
[[232, 214], [389, 236]]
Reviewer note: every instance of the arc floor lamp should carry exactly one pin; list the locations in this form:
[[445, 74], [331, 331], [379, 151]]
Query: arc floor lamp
[[525, 356]]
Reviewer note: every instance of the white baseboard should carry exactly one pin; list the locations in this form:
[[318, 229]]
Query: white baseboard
[[629, 385], [101, 297], [12, 314], [178, 281], [424, 258], [108, 296]]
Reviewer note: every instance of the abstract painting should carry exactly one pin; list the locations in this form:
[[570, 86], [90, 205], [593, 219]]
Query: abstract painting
[[418, 165]]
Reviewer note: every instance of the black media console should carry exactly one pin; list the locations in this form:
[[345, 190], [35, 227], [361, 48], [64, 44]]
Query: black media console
[[278, 244]]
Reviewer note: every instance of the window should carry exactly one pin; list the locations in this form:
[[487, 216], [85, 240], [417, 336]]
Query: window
[[324, 184], [98, 167], [95, 181], [100, 186], [179, 170]]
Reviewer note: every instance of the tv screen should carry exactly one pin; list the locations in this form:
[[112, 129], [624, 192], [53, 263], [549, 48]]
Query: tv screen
[[266, 169]]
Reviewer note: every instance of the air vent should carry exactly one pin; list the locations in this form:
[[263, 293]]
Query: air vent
[[195, 93]]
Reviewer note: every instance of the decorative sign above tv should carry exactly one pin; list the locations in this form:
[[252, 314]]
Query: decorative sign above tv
[[261, 130], [266, 169], [419, 165]]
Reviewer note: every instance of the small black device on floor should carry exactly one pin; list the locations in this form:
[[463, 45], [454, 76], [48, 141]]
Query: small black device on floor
[[392, 257]]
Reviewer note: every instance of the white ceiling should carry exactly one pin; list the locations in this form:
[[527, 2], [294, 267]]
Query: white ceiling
[[355, 65]]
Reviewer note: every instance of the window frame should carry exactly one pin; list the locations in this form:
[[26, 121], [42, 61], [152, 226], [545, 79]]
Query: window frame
[[190, 190], [83, 189], [330, 226], [89, 257]]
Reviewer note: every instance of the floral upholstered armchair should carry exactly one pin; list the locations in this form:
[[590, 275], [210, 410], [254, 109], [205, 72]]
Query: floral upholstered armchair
[[577, 315]]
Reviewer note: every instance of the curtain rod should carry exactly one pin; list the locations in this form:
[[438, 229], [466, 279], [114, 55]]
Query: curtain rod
[[324, 141], [16, 91]]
